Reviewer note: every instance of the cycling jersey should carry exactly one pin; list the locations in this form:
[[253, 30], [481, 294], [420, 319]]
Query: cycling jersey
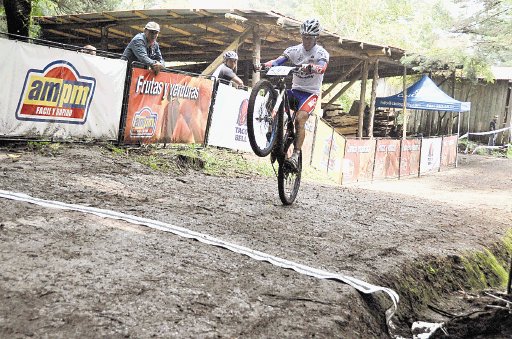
[[311, 83], [224, 72]]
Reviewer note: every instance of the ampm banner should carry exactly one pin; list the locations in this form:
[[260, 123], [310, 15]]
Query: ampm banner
[[54, 93], [169, 107]]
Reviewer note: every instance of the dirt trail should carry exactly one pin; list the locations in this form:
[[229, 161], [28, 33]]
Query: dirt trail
[[68, 274]]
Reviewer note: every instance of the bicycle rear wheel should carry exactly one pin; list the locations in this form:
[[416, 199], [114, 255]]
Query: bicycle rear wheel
[[261, 120], [288, 178]]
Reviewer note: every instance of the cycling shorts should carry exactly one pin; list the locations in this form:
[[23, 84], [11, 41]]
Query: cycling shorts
[[302, 101]]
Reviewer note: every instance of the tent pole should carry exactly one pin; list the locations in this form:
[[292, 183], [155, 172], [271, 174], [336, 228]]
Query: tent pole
[[457, 144], [404, 127]]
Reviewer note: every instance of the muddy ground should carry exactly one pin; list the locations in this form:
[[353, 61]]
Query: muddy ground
[[66, 274]]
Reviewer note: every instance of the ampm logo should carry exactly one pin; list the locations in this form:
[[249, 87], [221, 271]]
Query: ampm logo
[[56, 94], [144, 123]]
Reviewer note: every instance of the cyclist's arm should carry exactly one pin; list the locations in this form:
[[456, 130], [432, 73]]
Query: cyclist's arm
[[320, 67], [237, 81], [277, 62]]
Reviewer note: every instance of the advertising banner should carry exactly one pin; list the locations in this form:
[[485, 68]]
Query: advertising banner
[[430, 155], [307, 146], [449, 151], [54, 93], [335, 164], [167, 108], [322, 146], [387, 157], [410, 157], [228, 126], [358, 161]]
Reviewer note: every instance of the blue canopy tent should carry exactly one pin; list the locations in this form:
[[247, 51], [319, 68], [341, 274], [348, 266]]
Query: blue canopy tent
[[424, 95]]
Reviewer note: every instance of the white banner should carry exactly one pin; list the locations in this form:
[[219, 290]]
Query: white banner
[[228, 127], [430, 155], [51, 92]]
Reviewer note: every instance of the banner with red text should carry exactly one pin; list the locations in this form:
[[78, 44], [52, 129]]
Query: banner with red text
[[387, 157], [54, 93], [358, 161], [449, 151], [167, 108], [410, 157]]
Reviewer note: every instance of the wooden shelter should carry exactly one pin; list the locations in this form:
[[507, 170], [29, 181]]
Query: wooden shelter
[[195, 39]]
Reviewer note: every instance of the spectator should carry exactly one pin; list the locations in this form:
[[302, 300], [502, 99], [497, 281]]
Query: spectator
[[89, 49], [492, 127], [144, 48], [227, 70]]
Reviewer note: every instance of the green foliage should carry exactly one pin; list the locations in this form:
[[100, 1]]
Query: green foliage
[[46, 148]]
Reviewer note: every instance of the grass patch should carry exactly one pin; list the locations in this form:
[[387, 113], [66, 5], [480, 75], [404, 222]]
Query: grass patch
[[45, 148]]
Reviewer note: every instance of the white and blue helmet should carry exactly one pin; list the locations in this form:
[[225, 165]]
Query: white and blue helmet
[[310, 27], [230, 55]]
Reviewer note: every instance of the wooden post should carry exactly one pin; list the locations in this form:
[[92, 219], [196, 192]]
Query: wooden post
[[404, 127], [450, 123], [256, 56], [104, 38], [373, 97], [362, 98]]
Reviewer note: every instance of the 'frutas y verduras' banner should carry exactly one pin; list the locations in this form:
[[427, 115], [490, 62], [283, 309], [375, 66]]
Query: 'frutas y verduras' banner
[[167, 108], [54, 93]]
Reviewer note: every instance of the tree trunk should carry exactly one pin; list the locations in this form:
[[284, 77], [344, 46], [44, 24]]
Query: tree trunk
[[17, 13]]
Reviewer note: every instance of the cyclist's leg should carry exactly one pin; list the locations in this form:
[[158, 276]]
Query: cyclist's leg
[[307, 103]]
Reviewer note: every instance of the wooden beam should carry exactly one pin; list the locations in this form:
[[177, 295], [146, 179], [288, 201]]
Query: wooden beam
[[341, 79], [234, 45], [344, 89]]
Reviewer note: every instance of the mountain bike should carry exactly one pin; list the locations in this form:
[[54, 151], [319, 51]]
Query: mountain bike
[[271, 128]]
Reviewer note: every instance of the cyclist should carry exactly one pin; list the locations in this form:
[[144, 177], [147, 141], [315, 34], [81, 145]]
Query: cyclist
[[307, 83], [227, 70]]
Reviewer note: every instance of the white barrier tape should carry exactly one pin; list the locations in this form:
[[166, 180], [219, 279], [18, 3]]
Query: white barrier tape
[[359, 285], [490, 132]]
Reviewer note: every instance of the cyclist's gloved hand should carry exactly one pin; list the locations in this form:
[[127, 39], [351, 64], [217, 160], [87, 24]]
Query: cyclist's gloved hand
[[267, 64], [306, 68]]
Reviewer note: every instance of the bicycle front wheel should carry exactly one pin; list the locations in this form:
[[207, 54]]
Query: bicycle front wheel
[[261, 118], [288, 178]]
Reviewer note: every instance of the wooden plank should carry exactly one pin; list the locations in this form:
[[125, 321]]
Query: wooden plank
[[341, 78], [234, 45], [362, 98]]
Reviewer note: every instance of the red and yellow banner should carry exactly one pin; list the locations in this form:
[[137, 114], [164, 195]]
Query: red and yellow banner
[[169, 107]]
